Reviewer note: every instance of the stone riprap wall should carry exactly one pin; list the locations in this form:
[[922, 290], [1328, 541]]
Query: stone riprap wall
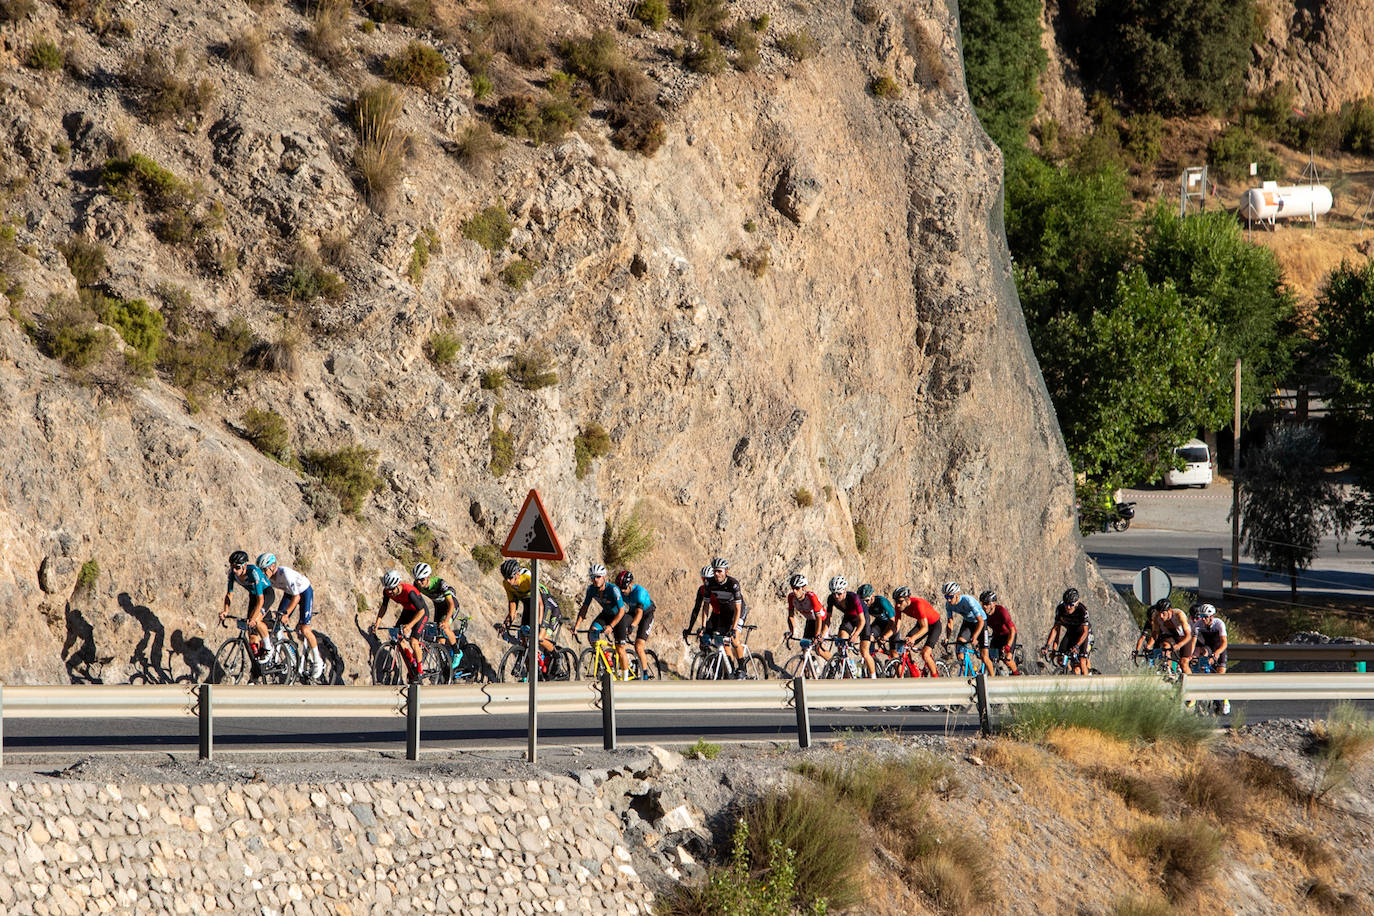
[[426, 846]]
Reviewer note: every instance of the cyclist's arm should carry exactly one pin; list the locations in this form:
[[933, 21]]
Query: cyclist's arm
[[381, 611], [1221, 646], [291, 605], [619, 613]]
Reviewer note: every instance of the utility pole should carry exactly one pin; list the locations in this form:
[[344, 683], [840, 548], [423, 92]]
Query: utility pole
[[1235, 486]]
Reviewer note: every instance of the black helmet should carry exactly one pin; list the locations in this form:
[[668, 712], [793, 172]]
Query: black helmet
[[1070, 596], [1161, 606], [900, 592], [509, 569], [988, 597], [238, 558]]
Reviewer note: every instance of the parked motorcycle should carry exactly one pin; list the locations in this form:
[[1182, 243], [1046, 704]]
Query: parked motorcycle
[[1122, 519]]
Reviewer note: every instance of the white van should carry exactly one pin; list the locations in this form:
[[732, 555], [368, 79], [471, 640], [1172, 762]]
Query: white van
[[1197, 466]]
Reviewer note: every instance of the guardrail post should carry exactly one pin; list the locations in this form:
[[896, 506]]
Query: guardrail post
[[413, 722], [607, 711], [205, 713], [1359, 667], [980, 689], [803, 713]]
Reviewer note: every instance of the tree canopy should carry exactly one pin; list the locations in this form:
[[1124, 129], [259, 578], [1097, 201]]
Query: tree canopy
[[1003, 61]]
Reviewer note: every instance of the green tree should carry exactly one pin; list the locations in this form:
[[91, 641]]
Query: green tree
[[1345, 341], [1168, 56], [1287, 502], [1236, 285], [1003, 60]]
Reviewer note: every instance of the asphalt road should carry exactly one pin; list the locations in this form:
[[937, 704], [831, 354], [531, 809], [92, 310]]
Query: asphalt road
[[1170, 526]]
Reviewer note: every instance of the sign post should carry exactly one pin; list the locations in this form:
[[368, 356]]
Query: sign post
[[1151, 584], [532, 538]]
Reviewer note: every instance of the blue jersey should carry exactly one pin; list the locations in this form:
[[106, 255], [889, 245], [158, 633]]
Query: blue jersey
[[252, 580], [881, 609], [608, 596], [967, 607], [637, 596]]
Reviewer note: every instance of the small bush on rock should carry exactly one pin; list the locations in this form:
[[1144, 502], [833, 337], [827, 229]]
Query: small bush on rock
[[160, 93], [69, 333], [885, 87], [531, 368], [44, 54], [325, 37], [246, 52], [486, 556], [491, 228], [418, 65], [141, 328], [88, 575], [268, 432], [798, 45], [502, 442], [652, 13], [590, 443], [443, 348], [512, 28], [85, 259], [477, 147], [629, 540], [16, 10], [381, 144], [518, 272], [350, 473]]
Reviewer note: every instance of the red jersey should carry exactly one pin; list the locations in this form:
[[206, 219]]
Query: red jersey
[[808, 605], [999, 620], [409, 599], [920, 608]]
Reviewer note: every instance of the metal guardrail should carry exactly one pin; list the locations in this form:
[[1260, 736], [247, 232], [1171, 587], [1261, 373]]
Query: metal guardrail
[[1300, 652], [416, 704]]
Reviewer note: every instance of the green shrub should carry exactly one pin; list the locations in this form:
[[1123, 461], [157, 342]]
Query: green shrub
[[491, 228], [798, 45], [493, 380], [443, 347], [420, 249], [1345, 737], [701, 16], [1185, 853], [159, 92], [637, 126], [802, 497], [624, 543], [823, 836], [891, 792], [1357, 125], [705, 56], [350, 473], [419, 65], [861, 541], [44, 54], [487, 557], [1144, 709], [591, 442], [518, 272], [141, 328], [209, 357], [308, 280], [867, 11], [381, 144], [598, 59], [69, 333], [1229, 155], [502, 443], [1144, 141], [137, 175], [652, 13], [748, 885], [530, 368], [477, 147], [756, 262], [85, 259], [417, 14], [325, 37], [536, 120], [885, 87], [268, 432], [88, 575], [1320, 131], [702, 750]]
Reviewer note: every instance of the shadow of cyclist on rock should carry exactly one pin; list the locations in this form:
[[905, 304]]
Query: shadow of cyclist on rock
[[200, 661], [147, 655], [78, 650]]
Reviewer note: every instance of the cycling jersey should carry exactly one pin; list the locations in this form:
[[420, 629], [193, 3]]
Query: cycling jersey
[[1210, 633], [520, 591], [808, 606], [853, 615], [411, 603], [881, 609], [705, 600], [291, 583], [1071, 618], [725, 595], [921, 609], [608, 596], [252, 580], [999, 622], [637, 597], [967, 607], [439, 591]]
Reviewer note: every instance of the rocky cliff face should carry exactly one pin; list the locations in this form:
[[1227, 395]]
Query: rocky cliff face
[[806, 288], [1322, 49]]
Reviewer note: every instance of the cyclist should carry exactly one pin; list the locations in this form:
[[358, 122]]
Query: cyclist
[[613, 610], [974, 628], [637, 599], [852, 613], [1003, 630], [882, 619], [445, 604], [1209, 639], [731, 611], [929, 624], [296, 591], [256, 585], [803, 603], [517, 582], [705, 603], [410, 620], [1071, 626], [1169, 629]]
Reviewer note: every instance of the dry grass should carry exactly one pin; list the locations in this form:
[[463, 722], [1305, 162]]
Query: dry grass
[[1184, 854], [381, 144], [325, 38], [1087, 748], [247, 52], [513, 28], [1213, 791], [1266, 777], [1340, 743], [1310, 849], [477, 147], [1138, 792]]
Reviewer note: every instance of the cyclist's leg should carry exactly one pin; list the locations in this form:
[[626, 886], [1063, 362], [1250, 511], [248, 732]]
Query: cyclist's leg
[[985, 651], [642, 632], [933, 634], [310, 646], [444, 618], [257, 623]]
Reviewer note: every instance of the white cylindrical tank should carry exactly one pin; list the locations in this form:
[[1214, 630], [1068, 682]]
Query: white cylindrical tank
[[1271, 202]]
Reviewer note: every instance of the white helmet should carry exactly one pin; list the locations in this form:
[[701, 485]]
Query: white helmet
[[839, 584], [391, 579], [265, 560], [952, 589], [421, 571], [596, 569], [720, 563], [707, 572], [797, 581], [1206, 611]]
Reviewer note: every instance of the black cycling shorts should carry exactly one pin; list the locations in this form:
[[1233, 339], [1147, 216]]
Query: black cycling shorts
[[813, 628], [855, 625], [1071, 638], [646, 623], [880, 628], [933, 634], [622, 629], [998, 642], [405, 621], [966, 635]]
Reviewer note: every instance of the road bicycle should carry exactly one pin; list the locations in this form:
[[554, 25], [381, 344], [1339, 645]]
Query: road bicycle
[[713, 661], [558, 665], [963, 659], [1001, 668], [844, 661], [808, 662], [1163, 662], [393, 662], [463, 664], [235, 662], [601, 657], [908, 663]]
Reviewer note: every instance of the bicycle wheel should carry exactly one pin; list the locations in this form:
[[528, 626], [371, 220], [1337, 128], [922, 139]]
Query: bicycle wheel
[[655, 670], [233, 665], [333, 661], [512, 667], [285, 664], [755, 669], [432, 665], [567, 665], [443, 662], [588, 664], [471, 663], [388, 668], [836, 669]]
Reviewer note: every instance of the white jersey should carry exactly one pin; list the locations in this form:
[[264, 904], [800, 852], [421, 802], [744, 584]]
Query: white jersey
[[1211, 632], [287, 580]]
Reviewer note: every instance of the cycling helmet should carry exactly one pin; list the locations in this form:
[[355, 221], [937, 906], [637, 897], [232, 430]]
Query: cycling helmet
[[951, 589], [1070, 596], [707, 572], [720, 563], [238, 558], [1160, 606], [265, 560], [509, 569], [1206, 611], [839, 584], [596, 569], [391, 580], [988, 597], [421, 572], [797, 581], [865, 591], [900, 593], [624, 579]]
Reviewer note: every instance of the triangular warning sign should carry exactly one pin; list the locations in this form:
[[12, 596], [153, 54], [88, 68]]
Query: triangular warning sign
[[532, 536]]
